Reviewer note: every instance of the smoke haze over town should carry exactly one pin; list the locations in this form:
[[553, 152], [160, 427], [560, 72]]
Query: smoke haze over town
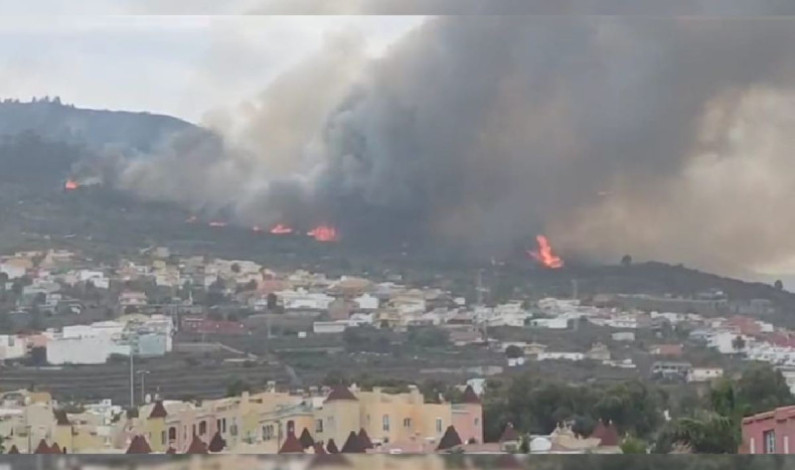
[[663, 138]]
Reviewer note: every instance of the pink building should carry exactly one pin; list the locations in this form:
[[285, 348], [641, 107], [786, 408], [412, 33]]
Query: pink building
[[468, 417], [771, 432]]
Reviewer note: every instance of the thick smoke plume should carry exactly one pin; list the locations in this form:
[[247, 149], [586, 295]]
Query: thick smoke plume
[[664, 138]]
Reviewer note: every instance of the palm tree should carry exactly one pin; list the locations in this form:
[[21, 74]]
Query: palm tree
[[708, 432]]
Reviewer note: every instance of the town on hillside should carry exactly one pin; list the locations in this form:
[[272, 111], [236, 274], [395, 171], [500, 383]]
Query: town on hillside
[[164, 353]]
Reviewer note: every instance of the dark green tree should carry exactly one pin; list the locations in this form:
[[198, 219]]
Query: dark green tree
[[237, 387], [762, 388], [707, 433], [513, 351]]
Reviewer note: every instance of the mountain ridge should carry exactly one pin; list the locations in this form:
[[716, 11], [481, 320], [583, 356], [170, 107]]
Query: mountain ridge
[[128, 131]]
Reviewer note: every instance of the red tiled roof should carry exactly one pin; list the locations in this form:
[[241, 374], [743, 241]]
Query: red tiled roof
[[607, 434], [291, 445], [196, 446], [60, 418], [158, 411], [42, 448], [306, 439], [470, 396], [217, 443], [13, 450], [331, 447], [138, 445], [509, 434], [450, 439], [365, 439], [352, 445], [319, 450], [55, 449], [340, 392]]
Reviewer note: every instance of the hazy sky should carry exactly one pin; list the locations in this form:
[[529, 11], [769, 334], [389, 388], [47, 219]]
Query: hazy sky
[[178, 65]]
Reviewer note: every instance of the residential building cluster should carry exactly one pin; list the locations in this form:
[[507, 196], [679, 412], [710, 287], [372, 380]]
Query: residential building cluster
[[334, 419]]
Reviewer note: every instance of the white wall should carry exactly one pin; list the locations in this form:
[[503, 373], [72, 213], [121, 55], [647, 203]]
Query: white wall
[[12, 347], [80, 350]]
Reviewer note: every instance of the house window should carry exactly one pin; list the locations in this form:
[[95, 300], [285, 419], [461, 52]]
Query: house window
[[267, 432], [203, 428], [163, 438], [319, 426], [172, 434], [233, 429], [769, 438], [477, 421], [406, 422], [439, 425], [194, 429], [386, 423], [786, 444], [184, 433], [290, 427]]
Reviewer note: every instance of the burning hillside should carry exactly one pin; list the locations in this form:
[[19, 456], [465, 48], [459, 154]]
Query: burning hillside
[[324, 233], [281, 229], [545, 255]]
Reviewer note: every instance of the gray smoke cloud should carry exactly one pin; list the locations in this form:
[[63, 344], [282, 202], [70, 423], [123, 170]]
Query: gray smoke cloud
[[663, 138]]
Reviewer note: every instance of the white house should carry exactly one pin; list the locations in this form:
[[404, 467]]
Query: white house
[[560, 356], [560, 323], [515, 361], [704, 374], [302, 300], [132, 298], [628, 336], [322, 327], [725, 342], [366, 302]]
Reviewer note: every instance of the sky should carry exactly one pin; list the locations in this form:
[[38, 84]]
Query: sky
[[183, 66]]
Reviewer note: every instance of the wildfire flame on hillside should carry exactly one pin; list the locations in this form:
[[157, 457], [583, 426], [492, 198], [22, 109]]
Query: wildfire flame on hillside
[[71, 185], [281, 229], [324, 233], [545, 255]]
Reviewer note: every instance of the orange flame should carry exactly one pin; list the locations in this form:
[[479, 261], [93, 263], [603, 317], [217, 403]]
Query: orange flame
[[324, 233], [71, 185], [545, 255], [281, 229]]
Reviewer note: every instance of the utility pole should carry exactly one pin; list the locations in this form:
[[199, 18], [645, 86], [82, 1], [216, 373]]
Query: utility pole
[[133, 342], [479, 288], [143, 374], [132, 379]]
